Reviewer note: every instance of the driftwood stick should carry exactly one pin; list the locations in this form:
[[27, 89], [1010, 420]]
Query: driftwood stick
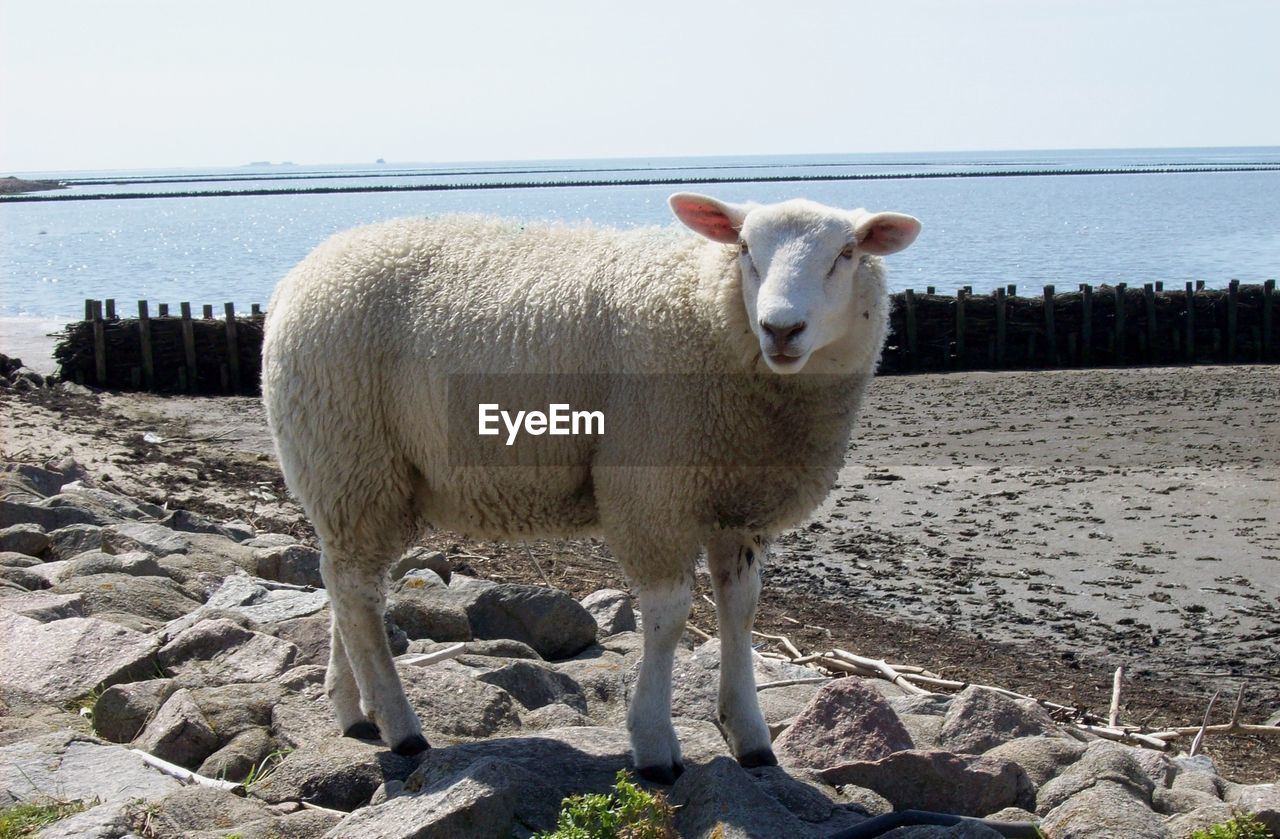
[[1235, 712], [431, 658], [784, 641], [881, 667], [186, 775], [1121, 736], [785, 683], [307, 805], [1199, 738], [534, 560], [1221, 728], [696, 631], [1114, 717]]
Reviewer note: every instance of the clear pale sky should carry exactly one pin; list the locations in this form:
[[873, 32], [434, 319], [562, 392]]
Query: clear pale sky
[[152, 83]]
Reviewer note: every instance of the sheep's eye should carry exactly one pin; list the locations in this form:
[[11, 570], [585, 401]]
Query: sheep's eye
[[744, 248], [847, 253]]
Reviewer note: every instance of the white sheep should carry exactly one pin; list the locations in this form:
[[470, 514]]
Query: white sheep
[[772, 330]]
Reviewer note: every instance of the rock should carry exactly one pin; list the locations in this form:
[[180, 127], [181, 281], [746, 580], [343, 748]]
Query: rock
[[1263, 801], [270, 540], [220, 652], [1104, 809], [24, 538], [488, 798], [49, 518], [845, 722], [196, 808], [302, 677], [179, 733], [1202, 819], [235, 708], [43, 606], [534, 685], [24, 578], [866, 801], [309, 634], [185, 521], [550, 621], [78, 768], [417, 607], [925, 730], [108, 596], [964, 830], [422, 558], [915, 779], [80, 504], [154, 539], [1102, 761], [612, 611], [105, 821], [570, 760], [1173, 802], [254, 600], [89, 563], [554, 715], [458, 705], [122, 710], [803, 793], [11, 559], [25, 482], [340, 773], [294, 564], [239, 756], [1040, 757], [240, 530], [979, 719], [721, 800], [65, 659], [1197, 780]]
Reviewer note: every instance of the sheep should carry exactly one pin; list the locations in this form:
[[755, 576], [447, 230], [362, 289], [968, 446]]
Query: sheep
[[759, 337]]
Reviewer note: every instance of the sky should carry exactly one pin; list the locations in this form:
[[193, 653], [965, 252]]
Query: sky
[[126, 84]]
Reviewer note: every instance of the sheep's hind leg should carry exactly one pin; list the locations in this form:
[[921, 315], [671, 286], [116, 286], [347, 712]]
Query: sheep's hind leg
[[357, 591], [664, 608], [344, 694], [734, 562]]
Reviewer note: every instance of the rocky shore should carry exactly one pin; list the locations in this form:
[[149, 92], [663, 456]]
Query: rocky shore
[[160, 598]]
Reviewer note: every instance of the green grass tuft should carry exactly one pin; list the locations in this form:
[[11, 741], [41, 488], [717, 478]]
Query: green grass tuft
[[627, 812], [22, 821], [1241, 827]]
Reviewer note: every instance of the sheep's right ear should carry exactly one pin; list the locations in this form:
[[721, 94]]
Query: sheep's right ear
[[718, 221]]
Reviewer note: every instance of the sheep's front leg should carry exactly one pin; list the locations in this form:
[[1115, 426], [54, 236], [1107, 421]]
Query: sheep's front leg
[[664, 608], [734, 562], [344, 694], [358, 597]]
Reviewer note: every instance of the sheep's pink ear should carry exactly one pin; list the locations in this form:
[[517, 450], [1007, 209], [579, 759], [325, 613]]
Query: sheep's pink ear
[[718, 221], [884, 233]]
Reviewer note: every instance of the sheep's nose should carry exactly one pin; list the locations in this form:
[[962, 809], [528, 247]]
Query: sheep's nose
[[782, 333]]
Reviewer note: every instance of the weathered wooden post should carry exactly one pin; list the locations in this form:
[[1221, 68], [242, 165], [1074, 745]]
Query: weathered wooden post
[[1000, 328], [1051, 343], [1011, 290], [162, 310], [144, 339], [1268, 294], [960, 296], [208, 311], [99, 344], [233, 348], [1121, 288], [191, 380], [1153, 346], [929, 290], [1086, 324], [1159, 285], [1190, 348], [255, 310], [111, 308], [909, 301], [88, 310], [1233, 306]]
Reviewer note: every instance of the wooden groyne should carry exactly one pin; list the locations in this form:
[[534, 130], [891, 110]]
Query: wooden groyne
[[1103, 326]]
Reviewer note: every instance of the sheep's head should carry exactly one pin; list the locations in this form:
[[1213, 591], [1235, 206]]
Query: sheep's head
[[804, 284]]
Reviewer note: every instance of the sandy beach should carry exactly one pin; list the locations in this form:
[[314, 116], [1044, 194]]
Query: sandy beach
[[1033, 529]]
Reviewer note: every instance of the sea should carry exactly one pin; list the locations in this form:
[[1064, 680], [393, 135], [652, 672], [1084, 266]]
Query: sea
[[991, 219]]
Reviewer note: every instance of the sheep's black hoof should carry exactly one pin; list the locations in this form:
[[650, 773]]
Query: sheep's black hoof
[[665, 775], [363, 730], [760, 757], [411, 745]]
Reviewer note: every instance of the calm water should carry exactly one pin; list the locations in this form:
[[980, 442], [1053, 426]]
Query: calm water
[[981, 231]]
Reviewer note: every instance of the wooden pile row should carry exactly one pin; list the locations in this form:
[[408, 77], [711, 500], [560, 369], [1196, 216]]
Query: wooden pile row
[[1103, 326]]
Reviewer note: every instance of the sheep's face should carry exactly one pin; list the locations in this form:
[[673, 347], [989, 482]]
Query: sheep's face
[[801, 284]]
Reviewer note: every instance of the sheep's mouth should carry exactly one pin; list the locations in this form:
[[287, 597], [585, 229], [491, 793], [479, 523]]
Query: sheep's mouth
[[786, 362]]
